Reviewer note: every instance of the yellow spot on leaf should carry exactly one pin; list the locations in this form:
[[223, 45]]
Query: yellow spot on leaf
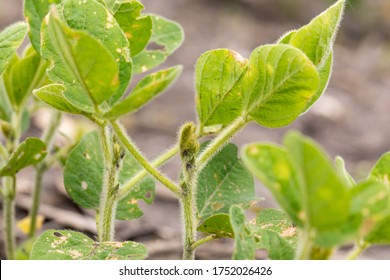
[[253, 151], [217, 206]]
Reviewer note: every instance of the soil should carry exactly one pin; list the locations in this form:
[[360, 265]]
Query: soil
[[351, 120]]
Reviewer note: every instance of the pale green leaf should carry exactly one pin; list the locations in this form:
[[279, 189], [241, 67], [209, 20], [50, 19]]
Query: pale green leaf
[[217, 77], [34, 13], [147, 60], [343, 173], [71, 245], [10, 39], [381, 170], [88, 71], [96, 20], [273, 166], [245, 244], [84, 184], [277, 247], [380, 234], [224, 182], [145, 91], [5, 106], [53, 96], [325, 197], [278, 85], [31, 151]]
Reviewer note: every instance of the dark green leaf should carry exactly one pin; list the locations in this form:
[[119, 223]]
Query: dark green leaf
[[222, 183], [84, 184], [30, 152], [217, 77], [145, 91], [10, 39], [34, 13], [71, 245], [278, 84], [88, 71]]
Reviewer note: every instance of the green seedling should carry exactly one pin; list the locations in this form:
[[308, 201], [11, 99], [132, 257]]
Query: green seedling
[[82, 58]]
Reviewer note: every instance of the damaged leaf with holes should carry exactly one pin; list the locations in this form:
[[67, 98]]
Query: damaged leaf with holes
[[71, 245]]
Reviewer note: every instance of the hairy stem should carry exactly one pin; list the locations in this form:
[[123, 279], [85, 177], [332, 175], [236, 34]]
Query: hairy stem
[[218, 142], [189, 220], [48, 138], [204, 240], [143, 173], [130, 146], [108, 196], [9, 216]]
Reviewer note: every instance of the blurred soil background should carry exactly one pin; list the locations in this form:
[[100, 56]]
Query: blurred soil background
[[351, 120]]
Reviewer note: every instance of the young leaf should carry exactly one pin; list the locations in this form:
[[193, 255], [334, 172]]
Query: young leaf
[[380, 233], [218, 225], [381, 170], [224, 182], [343, 173], [29, 152], [273, 166], [71, 245], [23, 76], [137, 30], [5, 106], [245, 244], [86, 68], [145, 91], [34, 13], [325, 198], [84, 185], [278, 84], [10, 39], [96, 20], [53, 96], [217, 77], [166, 33]]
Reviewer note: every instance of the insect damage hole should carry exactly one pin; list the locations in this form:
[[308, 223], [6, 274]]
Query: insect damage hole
[[57, 234]]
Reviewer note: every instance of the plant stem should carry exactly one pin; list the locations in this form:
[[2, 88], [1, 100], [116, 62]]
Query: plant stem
[[358, 249], [189, 220], [130, 146], [143, 173], [305, 245], [9, 216], [204, 240], [48, 138], [218, 142], [108, 198]]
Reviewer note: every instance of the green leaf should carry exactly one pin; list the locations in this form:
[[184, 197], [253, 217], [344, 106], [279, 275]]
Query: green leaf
[[10, 39], [275, 233], [166, 33], [278, 84], [137, 30], [217, 77], [53, 96], [96, 20], [86, 68], [316, 39], [343, 173], [30, 152], [34, 13], [224, 182], [84, 185], [325, 197], [273, 166], [23, 76], [23, 250], [145, 91], [5, 106], [245, 244], [218, 224], [381, 233], [381, 170], [71, 245]]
